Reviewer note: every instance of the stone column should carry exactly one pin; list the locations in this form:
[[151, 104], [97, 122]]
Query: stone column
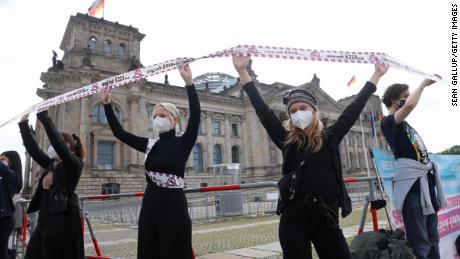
[[207, 150], [133, 102], [227, 148], [356, 151]]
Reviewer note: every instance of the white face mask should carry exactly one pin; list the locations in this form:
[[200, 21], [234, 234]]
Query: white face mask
[[52, 153], [301, 119], [161, 125]]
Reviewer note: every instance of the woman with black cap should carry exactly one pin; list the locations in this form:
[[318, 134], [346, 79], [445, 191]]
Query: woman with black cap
[[10, 184], [58, 233], [165, 229], [309, 211]]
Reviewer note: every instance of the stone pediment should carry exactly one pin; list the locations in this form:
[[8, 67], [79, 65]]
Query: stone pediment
[[102, 130], [274, 94]]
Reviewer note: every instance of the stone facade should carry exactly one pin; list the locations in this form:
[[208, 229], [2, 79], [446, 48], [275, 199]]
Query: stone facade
[[228, 122]]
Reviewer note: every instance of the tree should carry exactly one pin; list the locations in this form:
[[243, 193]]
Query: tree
[[455, 150]]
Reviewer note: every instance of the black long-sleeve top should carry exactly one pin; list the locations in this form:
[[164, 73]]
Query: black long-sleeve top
[[170, 153], [8, 186], [66, 173], [322, 174]]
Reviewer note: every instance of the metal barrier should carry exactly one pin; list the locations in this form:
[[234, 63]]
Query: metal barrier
[[253, 204], [229, 187]]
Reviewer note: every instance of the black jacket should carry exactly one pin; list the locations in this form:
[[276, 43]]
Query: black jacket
[[8, 187], [66, 173], [61, 196], [333, 133]]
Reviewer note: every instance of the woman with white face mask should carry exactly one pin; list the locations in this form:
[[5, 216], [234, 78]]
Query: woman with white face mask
[[309, 214], [165, 229], [58, 233]]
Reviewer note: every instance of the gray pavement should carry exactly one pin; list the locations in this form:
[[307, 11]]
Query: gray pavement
[[236, 239]]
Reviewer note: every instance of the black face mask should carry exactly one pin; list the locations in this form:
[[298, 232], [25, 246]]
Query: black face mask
[[401, 103]]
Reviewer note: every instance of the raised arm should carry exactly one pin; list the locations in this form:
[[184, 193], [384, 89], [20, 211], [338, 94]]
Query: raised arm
[[57, 141], [411, 101], [193, 124], [267, 117], [136, 142], [351, 113], [40, 157]]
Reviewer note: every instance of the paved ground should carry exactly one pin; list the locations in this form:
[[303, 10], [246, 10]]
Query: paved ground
[[231, 239]]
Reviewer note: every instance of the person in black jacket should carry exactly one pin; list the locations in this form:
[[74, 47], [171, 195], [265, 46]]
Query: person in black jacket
[[58, 233], [10, 184], [165, 230], [311, 216]]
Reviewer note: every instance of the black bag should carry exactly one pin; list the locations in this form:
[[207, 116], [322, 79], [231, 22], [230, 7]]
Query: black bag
[[288, 185], [58, 199]]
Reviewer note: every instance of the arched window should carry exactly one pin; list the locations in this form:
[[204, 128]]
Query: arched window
[[235, 154], [217, 154], [98, 114], [121, 50], [107, 46], [92, 43], [198, 157]]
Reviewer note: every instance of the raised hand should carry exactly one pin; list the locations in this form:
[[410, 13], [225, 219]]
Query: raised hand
[[186, 74], [24, 117], [106, 96], [381, 69], [240, 63], [427, 81]]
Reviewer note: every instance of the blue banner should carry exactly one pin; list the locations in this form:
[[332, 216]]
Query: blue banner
[[448, 217]]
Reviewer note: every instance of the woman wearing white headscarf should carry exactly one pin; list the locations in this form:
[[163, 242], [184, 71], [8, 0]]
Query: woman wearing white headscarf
[[165, 229]]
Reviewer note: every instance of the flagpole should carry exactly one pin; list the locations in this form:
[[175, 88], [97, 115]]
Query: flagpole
[[375, 129], [103, 9], [364, 147]]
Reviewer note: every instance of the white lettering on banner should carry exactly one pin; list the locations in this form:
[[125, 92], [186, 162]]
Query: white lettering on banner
[[241, 50]]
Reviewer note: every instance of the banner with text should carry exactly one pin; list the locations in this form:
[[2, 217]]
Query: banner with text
[[448, 217]]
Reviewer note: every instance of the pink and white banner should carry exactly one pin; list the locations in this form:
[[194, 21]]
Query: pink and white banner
[[241, 50]]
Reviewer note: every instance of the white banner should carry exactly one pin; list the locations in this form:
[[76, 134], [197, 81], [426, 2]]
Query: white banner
[[241, 50]]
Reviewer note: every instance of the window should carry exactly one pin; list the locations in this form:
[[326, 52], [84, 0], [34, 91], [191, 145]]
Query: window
[[121, 50], [108, 46], [217, 154], [105, 154], [198, 157], [235, 154], [200, 129], [92, 43], [235, 131], [98, 114], [216, 128], [110, 188]]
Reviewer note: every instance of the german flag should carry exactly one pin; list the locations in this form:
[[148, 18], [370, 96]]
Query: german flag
[[96, 7]]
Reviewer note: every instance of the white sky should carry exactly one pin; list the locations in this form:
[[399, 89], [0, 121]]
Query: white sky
[[415, 32]]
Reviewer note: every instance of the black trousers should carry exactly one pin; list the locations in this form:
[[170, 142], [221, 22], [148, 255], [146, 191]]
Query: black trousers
[[165, 228], [304, 222], [6, 227], [57, 236]]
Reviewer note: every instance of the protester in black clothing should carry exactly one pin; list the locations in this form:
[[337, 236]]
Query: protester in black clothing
[[164, 223], [312, 215], [10, 184], [58, 233]]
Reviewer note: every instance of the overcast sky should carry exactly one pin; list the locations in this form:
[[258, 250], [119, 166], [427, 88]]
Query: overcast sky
[[415, 32]]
